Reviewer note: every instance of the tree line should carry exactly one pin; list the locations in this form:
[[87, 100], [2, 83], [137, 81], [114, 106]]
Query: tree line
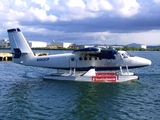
[[126, 48]]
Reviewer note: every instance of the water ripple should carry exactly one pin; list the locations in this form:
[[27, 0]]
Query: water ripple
[[24, 95]]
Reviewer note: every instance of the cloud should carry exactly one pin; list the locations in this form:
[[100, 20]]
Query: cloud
[[148, 38], [81, 21], [42, 3], [157, 1], [77, 10], [56, 2], [124, 8], [128, 8], [98, 5], [20, 3], [40, 14], [81, 9], [76, 3]]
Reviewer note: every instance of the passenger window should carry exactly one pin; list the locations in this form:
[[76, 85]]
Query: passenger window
[[80, 58], [85, 58], [72, 59]]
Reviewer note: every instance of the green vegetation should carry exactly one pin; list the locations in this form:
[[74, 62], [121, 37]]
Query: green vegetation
[[126, 48], [154, 49]]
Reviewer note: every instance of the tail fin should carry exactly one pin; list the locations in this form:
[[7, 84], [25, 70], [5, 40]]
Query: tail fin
[[20, 48]]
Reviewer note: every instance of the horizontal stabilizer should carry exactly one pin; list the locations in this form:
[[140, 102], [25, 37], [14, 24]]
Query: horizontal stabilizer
[[17, 53]]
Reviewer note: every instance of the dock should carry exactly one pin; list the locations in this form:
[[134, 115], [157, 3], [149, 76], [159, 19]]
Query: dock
[[7, 56]]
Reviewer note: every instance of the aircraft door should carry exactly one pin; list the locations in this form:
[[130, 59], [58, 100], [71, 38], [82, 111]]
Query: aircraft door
[[72, 62], [120, 59], [125, 59]]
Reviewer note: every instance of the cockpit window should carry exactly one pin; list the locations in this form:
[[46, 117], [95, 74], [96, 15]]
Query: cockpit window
[[129, 54], [124, 55]]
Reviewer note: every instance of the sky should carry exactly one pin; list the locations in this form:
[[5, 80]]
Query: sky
[[108, 22]]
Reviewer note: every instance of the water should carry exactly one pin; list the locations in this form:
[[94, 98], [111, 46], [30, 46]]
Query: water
[[24, 95]]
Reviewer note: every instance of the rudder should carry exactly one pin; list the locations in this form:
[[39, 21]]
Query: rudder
[[20, 48]]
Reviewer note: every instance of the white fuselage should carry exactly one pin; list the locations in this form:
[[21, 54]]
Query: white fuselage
[[71, 60]]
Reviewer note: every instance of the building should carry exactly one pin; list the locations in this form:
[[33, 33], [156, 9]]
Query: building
[[137, 45], [4, 43], [61, 44], [37, 44], [117, 46], [144, 46], [87, 46]]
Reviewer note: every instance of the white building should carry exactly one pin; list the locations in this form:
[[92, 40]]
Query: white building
[[137, 45], [4, 43], [61, 44], [37, 44], [87, 46], [144, 46]]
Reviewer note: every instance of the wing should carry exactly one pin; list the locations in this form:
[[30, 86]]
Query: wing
[[91, 51], [97, 52]]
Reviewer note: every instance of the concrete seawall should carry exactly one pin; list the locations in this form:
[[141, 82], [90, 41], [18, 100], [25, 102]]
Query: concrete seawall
[[6, 56]]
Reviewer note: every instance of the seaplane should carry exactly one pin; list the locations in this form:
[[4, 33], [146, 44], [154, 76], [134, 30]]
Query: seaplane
[[87, 64]]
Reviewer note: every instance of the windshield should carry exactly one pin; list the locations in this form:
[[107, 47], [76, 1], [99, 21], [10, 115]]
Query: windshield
[[129, 55], [126, 55]]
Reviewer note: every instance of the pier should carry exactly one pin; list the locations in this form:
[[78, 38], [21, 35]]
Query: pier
[[7, 56]]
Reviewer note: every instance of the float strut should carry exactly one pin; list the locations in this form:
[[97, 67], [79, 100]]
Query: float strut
[[127, 70], [121, 69]]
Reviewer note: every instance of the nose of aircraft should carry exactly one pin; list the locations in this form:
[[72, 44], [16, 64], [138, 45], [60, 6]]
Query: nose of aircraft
[[146, 62], [142, 61]]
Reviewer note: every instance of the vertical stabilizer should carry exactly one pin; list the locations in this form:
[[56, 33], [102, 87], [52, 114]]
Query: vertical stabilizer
[[20, 48]]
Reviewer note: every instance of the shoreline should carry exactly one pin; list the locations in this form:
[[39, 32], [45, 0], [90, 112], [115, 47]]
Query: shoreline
[[68, 49]]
